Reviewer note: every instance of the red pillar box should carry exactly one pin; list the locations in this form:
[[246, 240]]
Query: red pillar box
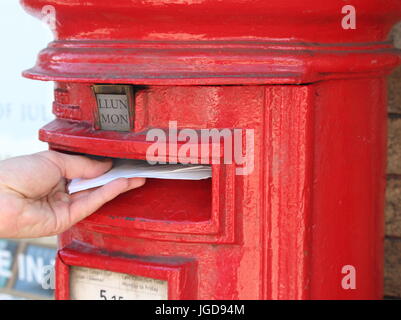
[[299, 217]]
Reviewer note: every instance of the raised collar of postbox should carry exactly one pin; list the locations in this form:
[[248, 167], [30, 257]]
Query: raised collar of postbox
[[209, 63]]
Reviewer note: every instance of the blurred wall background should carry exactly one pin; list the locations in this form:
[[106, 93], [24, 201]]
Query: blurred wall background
[[393, 207], [25, 106]]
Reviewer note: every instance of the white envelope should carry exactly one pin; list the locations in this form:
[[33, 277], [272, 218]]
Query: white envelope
[[124, 168]]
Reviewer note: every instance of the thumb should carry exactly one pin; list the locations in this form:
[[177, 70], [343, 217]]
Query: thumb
[[75, 166]]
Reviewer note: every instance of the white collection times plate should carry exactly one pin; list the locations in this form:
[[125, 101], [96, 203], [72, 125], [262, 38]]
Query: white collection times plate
[[95, 284]]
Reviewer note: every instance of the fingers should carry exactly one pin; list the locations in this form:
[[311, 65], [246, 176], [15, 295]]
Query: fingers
[[74, 166], [86, 202]]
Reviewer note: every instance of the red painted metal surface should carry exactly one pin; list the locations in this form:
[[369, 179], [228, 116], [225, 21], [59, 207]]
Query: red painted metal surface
[[313, 92], [179, 273], [214, 42]]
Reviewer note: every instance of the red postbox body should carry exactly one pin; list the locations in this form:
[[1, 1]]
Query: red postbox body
[[313, 90]]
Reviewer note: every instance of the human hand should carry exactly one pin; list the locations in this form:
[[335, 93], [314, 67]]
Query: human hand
[[34, 201]]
